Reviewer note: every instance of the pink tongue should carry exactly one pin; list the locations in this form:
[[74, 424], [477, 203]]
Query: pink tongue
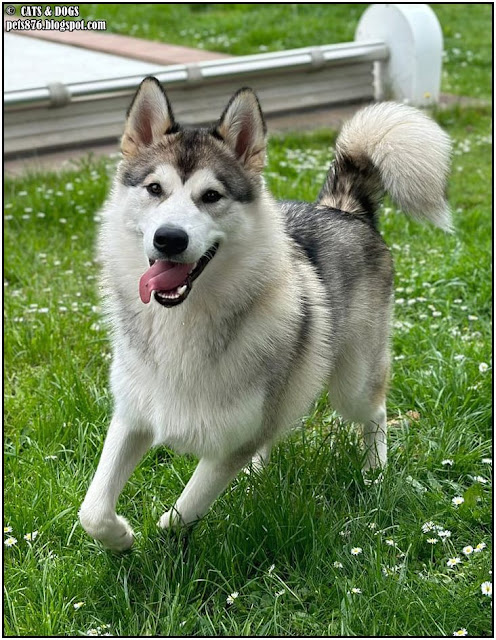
[[162, 276]]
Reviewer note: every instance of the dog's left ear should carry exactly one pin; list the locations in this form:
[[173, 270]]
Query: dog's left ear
[[242, 127]]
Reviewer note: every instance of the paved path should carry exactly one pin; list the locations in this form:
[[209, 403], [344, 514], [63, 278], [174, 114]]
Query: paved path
[[32, 63], [37, 58]]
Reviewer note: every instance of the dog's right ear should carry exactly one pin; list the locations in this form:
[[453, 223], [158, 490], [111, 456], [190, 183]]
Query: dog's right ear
[[149, 117]]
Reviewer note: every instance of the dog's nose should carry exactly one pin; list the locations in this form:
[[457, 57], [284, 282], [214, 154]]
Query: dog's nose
[[170, 240]]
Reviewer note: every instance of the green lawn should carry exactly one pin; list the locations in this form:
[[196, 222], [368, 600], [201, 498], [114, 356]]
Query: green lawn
[[282, 540]]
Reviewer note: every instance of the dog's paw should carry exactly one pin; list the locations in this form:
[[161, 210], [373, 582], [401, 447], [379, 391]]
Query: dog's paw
[[171, 520], [113, 532]]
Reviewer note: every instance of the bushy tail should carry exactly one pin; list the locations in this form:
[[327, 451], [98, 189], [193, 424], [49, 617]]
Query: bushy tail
[[393, 148]]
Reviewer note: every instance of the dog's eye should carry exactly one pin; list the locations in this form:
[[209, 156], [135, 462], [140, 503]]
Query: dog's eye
[[211, 196], [154, 189]]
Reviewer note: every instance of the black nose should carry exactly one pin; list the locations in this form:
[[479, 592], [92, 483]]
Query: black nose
[[170, 240]]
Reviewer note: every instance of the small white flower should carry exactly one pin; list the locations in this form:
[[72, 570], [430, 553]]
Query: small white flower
[[457, 500], [78, 605], [479, 479], [231, 598], [7, 529], [337, 565], [459, 357], [444, 533], [436, 314], [461, 632], [355, 590], [30, 537], [390, 542], [473, 318], [428, 526], [447, 462], [432, 540], [271, 569], [92, 632], [483, 367], [487, 460], [452, 562], [468, 550], [480, 547], [10, 541], [50, 458], [372, 525], [487, 588], [356, 551], [280, 593]]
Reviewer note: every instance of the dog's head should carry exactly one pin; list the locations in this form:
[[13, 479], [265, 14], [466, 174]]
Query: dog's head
[[187, 188]]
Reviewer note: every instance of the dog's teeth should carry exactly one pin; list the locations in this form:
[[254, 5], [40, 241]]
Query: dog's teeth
[[182, 289]]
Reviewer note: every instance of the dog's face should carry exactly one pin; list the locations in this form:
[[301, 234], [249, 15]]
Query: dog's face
[[186, 188]]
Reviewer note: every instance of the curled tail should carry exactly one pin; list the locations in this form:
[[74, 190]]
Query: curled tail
[[393, 148]]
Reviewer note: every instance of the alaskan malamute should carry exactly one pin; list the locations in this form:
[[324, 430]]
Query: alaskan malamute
[[230, 311]]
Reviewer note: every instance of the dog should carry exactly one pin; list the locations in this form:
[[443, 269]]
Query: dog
[[231, 312]]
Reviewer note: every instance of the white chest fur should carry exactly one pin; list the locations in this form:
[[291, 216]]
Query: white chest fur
[[188, 384]]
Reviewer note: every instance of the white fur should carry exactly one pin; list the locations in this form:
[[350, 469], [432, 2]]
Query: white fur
[[411, 152]]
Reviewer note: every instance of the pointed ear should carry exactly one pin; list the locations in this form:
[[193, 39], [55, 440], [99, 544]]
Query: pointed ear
[[149, 117], [243, 129]]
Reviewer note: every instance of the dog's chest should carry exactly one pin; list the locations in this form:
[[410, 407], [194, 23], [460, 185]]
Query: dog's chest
[[195, 391]]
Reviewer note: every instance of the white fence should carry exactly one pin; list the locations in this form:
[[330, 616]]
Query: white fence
[[396, 54]]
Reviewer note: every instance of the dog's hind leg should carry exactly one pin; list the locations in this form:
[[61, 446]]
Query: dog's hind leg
[[122, 451], [358, 392], [208, 481], [261, 458]]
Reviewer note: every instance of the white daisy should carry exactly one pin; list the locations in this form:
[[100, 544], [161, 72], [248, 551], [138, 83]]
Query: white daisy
[[457, 500], [78, 605], [337, 565], [468, 550], [452, 562], [448, 461], [10, 541], [30, 537], [480, 547], [487, 588], [461, 632], [356, 590], [231, 598], [356, 551], [432, 540]]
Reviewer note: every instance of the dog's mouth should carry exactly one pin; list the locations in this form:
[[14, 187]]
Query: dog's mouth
[[171, 282]]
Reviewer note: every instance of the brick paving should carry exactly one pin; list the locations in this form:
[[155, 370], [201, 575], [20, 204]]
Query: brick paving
[[126, 46]]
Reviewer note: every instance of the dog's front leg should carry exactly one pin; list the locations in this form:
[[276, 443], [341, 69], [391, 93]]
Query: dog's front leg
[[122, 451], [209, 479]]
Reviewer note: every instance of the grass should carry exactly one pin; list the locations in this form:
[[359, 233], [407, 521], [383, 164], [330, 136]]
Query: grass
[[310, 507]]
